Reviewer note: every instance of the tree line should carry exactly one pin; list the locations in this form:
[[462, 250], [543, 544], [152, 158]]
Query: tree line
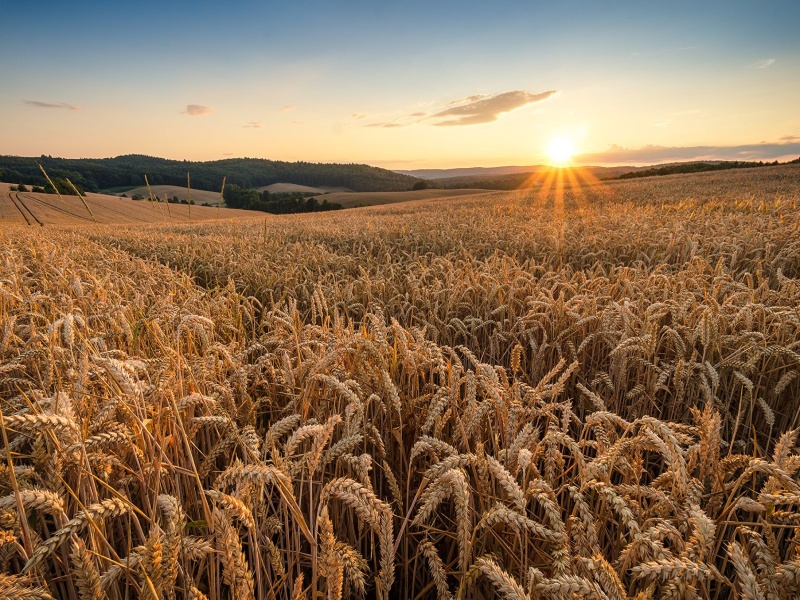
[[277, 203], [99, 174], [697, 167]]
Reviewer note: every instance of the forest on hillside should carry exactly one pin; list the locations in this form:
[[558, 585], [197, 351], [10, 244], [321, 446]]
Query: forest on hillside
[[100, 174]]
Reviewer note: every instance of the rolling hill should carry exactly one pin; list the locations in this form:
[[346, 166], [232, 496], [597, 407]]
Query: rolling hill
[[95, 175], [27, 208]]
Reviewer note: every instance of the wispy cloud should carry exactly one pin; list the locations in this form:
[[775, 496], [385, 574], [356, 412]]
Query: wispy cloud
[[287, 108], [466, 100], [39, 104], [487, 109], [765, 64], [358, 116], [472, 110], [253, 125], [197, 110], [788, 146], [789, 138]]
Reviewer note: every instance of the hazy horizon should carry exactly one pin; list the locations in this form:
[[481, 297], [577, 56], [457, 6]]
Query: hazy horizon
[[403, 86]]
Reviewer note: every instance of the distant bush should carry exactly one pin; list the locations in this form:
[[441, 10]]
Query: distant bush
[[64, 188], [420, 185], [137, 197]]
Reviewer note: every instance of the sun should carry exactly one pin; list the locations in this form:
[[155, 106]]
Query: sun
[[560, 151]]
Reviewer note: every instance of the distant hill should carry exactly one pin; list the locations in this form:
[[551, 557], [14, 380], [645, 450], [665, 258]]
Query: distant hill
[[106, 173], [171, 191], [528, 179], [35, 209], [303, 189], [358, 199], [510, 177], [470, 171], [695, 167], [494, 174]]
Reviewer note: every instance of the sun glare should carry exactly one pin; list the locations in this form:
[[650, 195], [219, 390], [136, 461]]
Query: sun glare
[[561, 150]]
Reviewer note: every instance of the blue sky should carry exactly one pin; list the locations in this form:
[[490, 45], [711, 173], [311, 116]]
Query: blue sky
[[428, 84]]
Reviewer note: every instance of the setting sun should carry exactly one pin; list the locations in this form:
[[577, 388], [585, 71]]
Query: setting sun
[[560, 151]]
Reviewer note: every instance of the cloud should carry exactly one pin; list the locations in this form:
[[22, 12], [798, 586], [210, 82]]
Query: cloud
[[664, 154], [287, 108], [789, 138], [765, 64], [253, 125], [197, 110], [358, 116], [487, 109], [39, 104], [472, 98], [472, 110]]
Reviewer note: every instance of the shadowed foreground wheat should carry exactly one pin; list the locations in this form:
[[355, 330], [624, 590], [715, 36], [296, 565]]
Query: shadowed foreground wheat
[[466, 401]]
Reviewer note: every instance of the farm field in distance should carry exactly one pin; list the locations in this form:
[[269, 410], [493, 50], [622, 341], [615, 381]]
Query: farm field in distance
[[362, 199], [570, 391], [29, 208]]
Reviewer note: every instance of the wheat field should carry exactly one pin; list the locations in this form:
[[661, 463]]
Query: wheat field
[[587, 393]]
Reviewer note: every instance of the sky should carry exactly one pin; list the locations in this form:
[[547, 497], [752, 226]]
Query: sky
[[402, 85]]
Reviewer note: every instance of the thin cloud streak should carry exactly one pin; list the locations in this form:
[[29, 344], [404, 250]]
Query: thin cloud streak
[[487, 109], [660, 154], [197, 110], [472, 110], [253, 125], [287, 108], [765, 64], [472, 98], [57, 105]]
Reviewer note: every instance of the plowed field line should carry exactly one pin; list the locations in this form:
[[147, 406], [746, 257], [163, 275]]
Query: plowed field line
[[14, 202], [25, 206], [58, 208]]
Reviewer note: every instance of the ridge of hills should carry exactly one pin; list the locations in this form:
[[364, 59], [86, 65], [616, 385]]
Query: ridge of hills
[[96, 174]]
